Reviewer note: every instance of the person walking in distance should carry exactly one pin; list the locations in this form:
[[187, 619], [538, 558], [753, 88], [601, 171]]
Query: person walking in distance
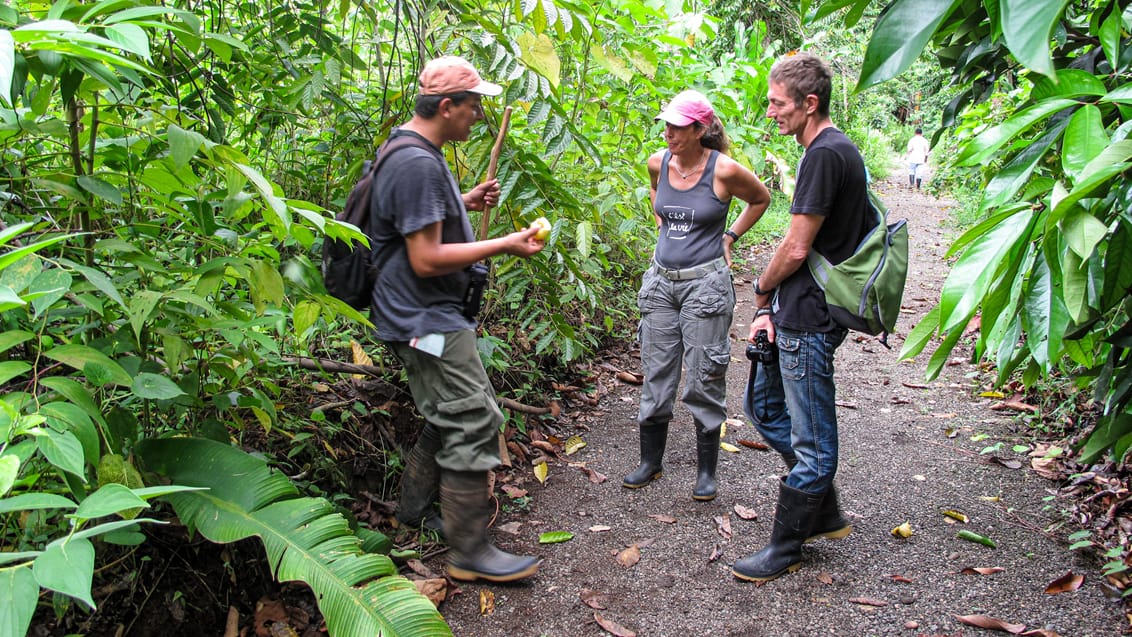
[[918, 150], [687, 297], [423, 244], [792, 400]]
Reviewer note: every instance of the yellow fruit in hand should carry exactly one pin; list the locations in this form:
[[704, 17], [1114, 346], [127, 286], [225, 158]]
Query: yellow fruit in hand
[[543, 228]]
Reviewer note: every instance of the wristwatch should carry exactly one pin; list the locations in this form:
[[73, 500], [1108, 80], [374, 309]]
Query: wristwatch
[[759, 291], [731, 233]]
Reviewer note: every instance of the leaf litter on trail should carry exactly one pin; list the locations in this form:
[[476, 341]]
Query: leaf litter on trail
[[990, 623], [716, 553], [612, 627], [723, 525], [981, 570], [594, 599], [745, 513], [630, 556], [1065, 583], [660, 517]]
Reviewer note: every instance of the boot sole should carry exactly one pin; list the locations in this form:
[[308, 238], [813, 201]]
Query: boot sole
[[753, 578], [703, 498], [455, 572], [836, 534], [638, 485]]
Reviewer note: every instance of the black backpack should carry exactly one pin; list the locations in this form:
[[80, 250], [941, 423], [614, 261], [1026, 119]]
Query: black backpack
[[348, 270]]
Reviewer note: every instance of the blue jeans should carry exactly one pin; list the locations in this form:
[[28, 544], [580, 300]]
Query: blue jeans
[[792, 403]]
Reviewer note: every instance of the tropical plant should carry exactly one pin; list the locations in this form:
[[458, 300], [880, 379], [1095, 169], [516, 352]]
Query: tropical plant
[[1048, 267]]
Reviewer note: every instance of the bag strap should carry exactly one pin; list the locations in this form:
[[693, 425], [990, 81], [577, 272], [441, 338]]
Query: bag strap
[[384, 152]]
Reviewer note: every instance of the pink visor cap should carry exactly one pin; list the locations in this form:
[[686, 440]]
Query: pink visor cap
[[688, 107], [449, 75]]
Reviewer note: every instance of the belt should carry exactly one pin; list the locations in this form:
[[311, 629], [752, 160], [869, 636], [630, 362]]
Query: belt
[[694, 272]]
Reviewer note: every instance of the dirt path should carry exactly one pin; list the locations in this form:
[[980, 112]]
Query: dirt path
[[909, 450]]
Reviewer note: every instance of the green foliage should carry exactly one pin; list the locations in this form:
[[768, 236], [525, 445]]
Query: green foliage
[[1047, 268], [306, 539]]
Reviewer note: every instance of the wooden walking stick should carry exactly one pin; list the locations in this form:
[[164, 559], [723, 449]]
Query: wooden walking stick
[[492, 166]]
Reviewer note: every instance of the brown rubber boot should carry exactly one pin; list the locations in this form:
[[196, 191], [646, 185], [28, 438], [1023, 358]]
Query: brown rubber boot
[[420, 483], [467, 510]]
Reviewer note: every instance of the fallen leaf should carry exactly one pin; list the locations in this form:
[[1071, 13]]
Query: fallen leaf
[[555, 409], [1065, 583], [630, 556], [867, 601], [630, 377], [594, 476], [1014, 405], [555, 537], [435, 589], [667, 519], [733, 422], [956, 515], [901, 579], [419, 568], [753, 444], [593, 599], [990, 498], [904, 530], [723, 525], [915, 385], [825, 578], [613, 628], [1048, 468], [574, 444], [992, 394], [975, 537], [1039, 632], [945, 414], [745, 513], [510, 527], [982, 570], [716, 553], [487, 602], [360, 356], [726, 446], [513, 491], [992, 623], [540, 472], [1009, 463], [545, 445], [600, 528]]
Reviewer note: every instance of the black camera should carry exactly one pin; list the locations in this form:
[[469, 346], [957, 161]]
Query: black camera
[[762, 350], [473, 296]]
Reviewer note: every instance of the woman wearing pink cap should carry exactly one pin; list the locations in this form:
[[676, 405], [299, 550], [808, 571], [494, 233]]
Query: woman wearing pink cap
[[687, 298]]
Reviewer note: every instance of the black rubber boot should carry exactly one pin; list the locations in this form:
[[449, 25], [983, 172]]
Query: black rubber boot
[[707, 457], [792, 520], [828, 522], [467, 511], [653, 440], [420, 483]]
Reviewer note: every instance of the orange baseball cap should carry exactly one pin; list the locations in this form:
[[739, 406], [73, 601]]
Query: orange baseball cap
[[451, 74]]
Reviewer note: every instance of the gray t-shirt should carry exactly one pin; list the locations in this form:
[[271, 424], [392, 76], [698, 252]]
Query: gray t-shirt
[[691, 221], [415, 189]]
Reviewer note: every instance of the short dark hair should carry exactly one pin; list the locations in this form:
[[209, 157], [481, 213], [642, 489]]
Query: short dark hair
[[919, 131], [804, 74], [429, 105]]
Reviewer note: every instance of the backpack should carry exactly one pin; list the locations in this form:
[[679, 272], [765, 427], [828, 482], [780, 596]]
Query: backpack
[[865, 290], [348, 270]]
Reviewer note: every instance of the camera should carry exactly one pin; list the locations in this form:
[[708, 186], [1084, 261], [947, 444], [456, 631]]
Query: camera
[[762, 350], [473, 296]]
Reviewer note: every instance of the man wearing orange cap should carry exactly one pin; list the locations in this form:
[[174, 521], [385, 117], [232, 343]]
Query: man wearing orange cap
[[424, 249]]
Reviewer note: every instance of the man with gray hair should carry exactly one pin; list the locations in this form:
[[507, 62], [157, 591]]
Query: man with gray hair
[[792, 400]]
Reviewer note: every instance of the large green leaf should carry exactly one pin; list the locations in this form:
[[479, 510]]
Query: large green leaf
[[1044, 316], [978, 150], [1085, 138], [969, 278], [67, 566], [306, 539], [1028, 27], [900, 35], [82, 357], [7, 65], [19, 591]]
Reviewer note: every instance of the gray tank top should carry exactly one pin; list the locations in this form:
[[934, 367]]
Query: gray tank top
[[691, 221]]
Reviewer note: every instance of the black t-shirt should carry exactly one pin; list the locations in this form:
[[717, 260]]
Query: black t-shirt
[[415, 189], [831, 183]]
